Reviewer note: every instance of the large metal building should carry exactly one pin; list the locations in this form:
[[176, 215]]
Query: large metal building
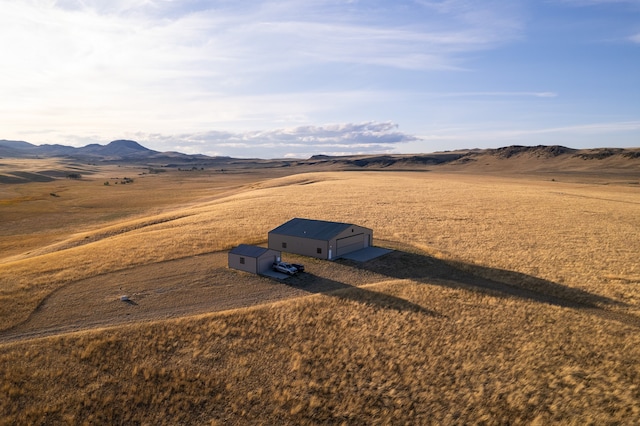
[[319, 238], [252, 258]]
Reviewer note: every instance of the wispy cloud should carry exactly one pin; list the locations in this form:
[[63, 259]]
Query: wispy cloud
[[597, 2], [496, 94], [506, 133], [123, 43], [88, 66], [622, 126]]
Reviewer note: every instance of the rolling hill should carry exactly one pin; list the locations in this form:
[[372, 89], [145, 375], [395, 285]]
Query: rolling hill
[[505, 300], [547, 160]]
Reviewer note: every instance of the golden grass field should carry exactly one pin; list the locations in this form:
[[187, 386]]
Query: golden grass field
[[509, 299]]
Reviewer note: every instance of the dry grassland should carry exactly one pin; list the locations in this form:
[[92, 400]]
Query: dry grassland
[[401, 352], [407, 347]]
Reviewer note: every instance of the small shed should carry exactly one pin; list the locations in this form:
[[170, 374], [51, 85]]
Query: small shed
[[319, 238], [252, 259]]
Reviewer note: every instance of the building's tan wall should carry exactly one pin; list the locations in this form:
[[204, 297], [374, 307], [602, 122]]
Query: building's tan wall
[[249, 263], [303, 246]]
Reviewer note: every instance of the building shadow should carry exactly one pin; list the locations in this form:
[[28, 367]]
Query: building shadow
[[426, 269], [502, 283], [315, 284]]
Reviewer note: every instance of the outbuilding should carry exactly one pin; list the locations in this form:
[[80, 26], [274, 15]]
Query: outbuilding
[[252, 259], [319, 238]]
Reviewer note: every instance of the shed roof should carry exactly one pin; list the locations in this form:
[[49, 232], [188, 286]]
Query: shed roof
[[309, 228], [249, 251]]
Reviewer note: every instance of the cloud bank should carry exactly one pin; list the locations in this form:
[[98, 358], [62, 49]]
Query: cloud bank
[[297, 142]]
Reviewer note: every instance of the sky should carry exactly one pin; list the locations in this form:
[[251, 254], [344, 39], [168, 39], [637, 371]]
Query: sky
[[296, 78]]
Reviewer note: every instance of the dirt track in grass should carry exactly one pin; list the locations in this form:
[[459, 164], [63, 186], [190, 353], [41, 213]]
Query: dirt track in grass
[[171, 289]]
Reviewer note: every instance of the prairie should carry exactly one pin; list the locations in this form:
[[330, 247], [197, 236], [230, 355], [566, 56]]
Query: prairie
[[508, 299]]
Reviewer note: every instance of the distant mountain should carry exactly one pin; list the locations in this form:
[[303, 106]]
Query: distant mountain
[[119, 148], [541, 151], [116, 150], [14, 148], [514, 158], [16, 144]]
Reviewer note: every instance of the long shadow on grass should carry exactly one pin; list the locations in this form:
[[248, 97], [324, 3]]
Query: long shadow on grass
[[315, 284], [502, 283]]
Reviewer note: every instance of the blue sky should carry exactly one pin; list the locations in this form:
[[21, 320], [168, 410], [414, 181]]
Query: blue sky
[[262, 78]]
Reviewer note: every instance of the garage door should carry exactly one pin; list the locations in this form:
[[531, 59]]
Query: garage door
[[349, 244]]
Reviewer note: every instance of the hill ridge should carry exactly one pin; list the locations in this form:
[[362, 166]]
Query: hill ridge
[[512, 158]]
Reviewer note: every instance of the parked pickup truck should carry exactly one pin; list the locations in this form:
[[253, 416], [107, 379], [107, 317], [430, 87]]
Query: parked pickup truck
[[285, 268]]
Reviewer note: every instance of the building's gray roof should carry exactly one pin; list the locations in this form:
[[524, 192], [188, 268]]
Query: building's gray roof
[[249, 251], [309, 228]]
